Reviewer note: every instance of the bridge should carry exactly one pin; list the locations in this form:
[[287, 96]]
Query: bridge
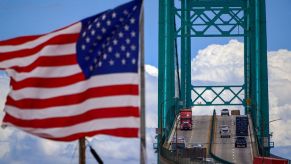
[[180, 22]]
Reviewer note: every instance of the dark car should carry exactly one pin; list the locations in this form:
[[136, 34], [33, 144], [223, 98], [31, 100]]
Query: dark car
[[241, 142], [178, 143], [225, 112]]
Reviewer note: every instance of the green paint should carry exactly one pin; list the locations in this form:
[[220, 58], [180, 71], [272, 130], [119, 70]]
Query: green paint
[[185, 54], [214, 18]]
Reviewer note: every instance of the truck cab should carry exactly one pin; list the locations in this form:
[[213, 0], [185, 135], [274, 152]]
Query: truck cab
[[186, 119]]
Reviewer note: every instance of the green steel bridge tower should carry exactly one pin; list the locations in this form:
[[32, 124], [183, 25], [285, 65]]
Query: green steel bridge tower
[[212, 18]]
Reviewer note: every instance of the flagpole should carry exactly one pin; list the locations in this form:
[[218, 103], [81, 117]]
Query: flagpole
[[142, 88], [82, 151]]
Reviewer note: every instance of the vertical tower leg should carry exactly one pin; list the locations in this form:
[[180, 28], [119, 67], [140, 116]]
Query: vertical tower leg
[[262, 75], [186, 53], [166, 79]]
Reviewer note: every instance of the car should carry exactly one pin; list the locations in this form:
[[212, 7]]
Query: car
[[224, 112], [224, 132], [178, 144], [240, 142], [195, 146]]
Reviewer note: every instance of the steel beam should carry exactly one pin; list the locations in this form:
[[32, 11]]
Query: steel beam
[[217, 3], [186, 54], [166, 67], [262, 75]]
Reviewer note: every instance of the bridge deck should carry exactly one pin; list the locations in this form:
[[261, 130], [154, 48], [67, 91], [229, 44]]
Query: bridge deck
[[200, 132], [224, 147]]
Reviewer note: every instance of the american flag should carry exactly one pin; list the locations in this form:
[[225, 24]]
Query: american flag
[[78, 81]]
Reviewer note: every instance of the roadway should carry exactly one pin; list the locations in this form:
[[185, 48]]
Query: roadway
[[224, 147], [200, 132]]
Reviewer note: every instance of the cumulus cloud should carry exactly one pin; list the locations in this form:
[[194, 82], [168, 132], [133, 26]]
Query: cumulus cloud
[[151, 70], [219, 64], [223, 64]]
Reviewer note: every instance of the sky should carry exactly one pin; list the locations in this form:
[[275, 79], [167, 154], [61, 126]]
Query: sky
[[219, 57]]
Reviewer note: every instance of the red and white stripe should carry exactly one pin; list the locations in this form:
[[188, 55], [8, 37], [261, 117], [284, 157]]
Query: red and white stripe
[[51, 98]]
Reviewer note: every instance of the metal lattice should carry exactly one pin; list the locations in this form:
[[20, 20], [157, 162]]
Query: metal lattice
[[214, 18], [217, 95]]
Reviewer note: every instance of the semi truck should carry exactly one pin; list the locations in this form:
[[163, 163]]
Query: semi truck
[[186, 119], [242, 124]]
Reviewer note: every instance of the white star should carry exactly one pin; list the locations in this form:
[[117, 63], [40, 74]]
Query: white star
[[123, 48], [95, 60], [103, 30], [121, 19], [100, 64], [120, 34], [98, 24], [133, 47], [93, 32], [127, 54], [113, 15], [108, 38], [125, 12], [108, 22], [103, 45], [103, 16], [134, 7], [126, 27], [133, 61], [115, 42], [109, 49], [91, 51], [87, 58], [127, 40], [84, 34], [105, 56], [91, 68], [83, 47], [99, 37], [111, 62], [123, 61], [99, 52], [87, 39], [132, 20], [95, 20], [117, 55], [132, 34], [90, 26]]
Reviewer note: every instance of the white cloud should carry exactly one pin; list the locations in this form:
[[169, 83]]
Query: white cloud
[[223, 64], [151, 70], [219, 63], [51, 147]]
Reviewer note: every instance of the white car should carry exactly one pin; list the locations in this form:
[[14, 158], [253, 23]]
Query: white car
[[224, 112], [224, 132]]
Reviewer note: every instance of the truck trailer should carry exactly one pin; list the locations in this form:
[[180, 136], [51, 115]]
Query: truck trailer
[[242, 124]]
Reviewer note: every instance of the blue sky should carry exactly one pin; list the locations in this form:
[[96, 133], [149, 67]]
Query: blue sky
[[35, 17]]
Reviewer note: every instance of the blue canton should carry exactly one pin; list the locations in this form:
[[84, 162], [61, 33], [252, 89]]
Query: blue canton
[[109, 41]]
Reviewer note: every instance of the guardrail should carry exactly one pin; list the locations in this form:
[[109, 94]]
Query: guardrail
[[211, 142]]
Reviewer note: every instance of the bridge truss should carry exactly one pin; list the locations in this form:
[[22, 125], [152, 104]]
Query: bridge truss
[[213, 18]]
